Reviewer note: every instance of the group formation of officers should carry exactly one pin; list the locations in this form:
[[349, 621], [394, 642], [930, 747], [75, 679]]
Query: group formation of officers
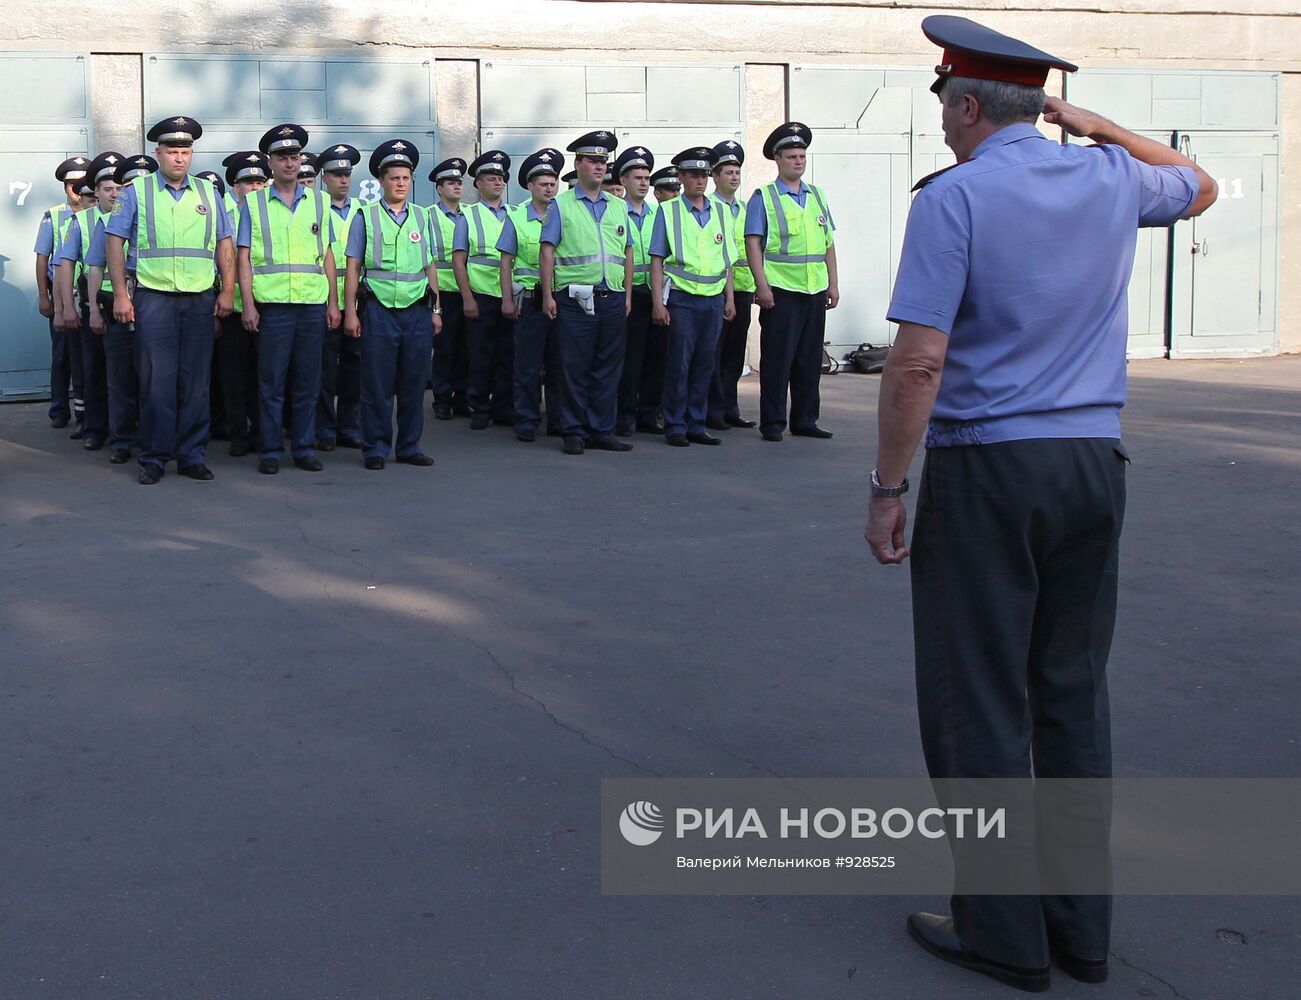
[[597, 309]]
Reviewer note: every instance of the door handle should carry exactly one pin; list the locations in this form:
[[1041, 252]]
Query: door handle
[[1202, 248]]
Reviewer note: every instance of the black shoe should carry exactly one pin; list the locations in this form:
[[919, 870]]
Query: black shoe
[[573, 446], [503, 421], [199, 472], [480, 422], [555, 432], [739, 422], [442, 411], [92, 444], [678, 440], [238, 449], [269, 466], [462, 410], [703, 438], [936, 935], [623, 432], [58, 423], [309, 464], [348, 442], [608, 442], [718, 425], [374, 462], [771, 435], [649, 427], [149, 474], [812, 432], [1086, 970], [325, 446], [78, 434], [419, 458], [526, 434], [120, 456]]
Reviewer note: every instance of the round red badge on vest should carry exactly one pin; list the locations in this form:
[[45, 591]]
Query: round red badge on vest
[[822, 220], [618, 231], [201, 209], [415, 236], [718, 237]]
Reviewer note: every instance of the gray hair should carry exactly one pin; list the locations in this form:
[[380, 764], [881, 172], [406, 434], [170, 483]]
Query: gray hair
[[1000, 103]]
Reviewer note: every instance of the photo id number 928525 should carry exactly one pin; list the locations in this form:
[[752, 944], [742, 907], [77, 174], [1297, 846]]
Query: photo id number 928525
[[865, 862]]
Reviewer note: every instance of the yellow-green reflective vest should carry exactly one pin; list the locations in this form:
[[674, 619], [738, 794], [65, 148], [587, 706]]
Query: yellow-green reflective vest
[[590, 253], [742, 279], [484, 264], [175, 240], [699, 256], [61, 217], [641, 240], [287, 247], [342, 227], [87, 220], [444, 229], [397, 256], [528, 239], [795, 254]]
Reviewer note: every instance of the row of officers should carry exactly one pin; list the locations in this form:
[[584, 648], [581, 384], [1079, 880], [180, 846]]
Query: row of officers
[[595, 310]]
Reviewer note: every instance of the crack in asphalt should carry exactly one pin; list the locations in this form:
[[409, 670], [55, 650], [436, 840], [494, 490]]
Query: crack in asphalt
[[1152, 975]]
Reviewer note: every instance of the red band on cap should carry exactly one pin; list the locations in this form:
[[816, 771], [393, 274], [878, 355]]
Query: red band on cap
[[979, 68]]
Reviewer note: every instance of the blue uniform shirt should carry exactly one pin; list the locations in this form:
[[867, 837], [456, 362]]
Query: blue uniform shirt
[[508, 241], [123, 223], [71, 249], [1022, 255], [659, 242], [756, 216], [244, 237], [358, 233], [45, 236]]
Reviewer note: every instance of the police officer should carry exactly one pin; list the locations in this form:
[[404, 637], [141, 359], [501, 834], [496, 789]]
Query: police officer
[[586, 260], [612, 185], [1010, 300], [307, 174], [392, 239], [341, 362], [570, 178], [285, 256], [535, 342], [53, 228], [642, 383], [789, 236], [246, 171], [666, 183], [451, 250], [691, 247], [178, 229], [724, 410], [490, 335], [220, 427]]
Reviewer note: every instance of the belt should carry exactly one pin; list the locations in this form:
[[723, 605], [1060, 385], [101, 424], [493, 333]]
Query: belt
[[603, 292]]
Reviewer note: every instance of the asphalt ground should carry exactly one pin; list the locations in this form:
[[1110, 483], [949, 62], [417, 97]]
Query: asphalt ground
[[342, 735]]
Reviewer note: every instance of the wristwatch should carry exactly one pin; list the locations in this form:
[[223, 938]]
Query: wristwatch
[[438, 310], [888, 491]]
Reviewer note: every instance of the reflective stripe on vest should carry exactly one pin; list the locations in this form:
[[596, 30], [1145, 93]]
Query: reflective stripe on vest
[[444, 230], [742, 279], [697, 264], [87, 220], [340, 245], [396, 263], [795, 254], [641, 237], [176, 239], [581, 232], [288, 258], [528, 246], [484, 263]]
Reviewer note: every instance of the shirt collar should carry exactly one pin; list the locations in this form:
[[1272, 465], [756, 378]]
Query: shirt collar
[[600, 196], [645, 208], [531, 213], [299, 191], [442, 207], [1006, 136], [162, 181], [785, 188]]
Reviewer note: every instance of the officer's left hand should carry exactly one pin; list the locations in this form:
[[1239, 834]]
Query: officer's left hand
[[627, 306], [438, 324], [886, 518], [660, 314], [833, 297], [225, 303], [332, 317], [729, 311]]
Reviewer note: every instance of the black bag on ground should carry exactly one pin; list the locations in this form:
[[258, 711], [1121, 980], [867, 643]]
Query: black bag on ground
[[868, 360]]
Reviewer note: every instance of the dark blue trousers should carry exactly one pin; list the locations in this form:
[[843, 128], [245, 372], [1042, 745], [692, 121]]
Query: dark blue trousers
[[123, 385], [395, 348], [174, 335], [237, 357], [492, 360], [290, 338], [591, 360], [790, 345], [451, 365], [536, 352], [642, 383], [730, 360], [94, 381], [340, 380], [60, 374], [689, 365]]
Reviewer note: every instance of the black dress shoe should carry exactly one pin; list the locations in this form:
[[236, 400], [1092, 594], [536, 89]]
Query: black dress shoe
[[374, 463], [1086, 970], [771, 435], [442, 411], [811, 432], [325, 446], [58, 423], [309, 464], [649, 427], [623, 432], [419, 459], [703, 438], [718, 425], [199, 472], [936, 935], [526, 434], [78, 434], [677, 440], [462, 410], [573, 446], [120, 456], [268, 466], [608, 442], [739, 422], [238, 449], [348, 442], [149, 474], [480, 422], [92, 444]]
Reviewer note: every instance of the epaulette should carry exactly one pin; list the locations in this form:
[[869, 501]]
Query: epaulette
[[930, 177]]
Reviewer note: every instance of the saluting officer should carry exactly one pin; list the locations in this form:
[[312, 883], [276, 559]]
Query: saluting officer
[[341, 362], [246, 171], [666, 183], [724, 410], [285, 257], [489, 333], [178, 228], [535, 342], [586, 268], [451, 248], [691, 247], [392, 239], [642, 382], [51, 232], [790, 245]]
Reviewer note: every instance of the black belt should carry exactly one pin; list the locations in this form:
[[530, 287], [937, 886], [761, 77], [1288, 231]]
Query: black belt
[[603, 292]]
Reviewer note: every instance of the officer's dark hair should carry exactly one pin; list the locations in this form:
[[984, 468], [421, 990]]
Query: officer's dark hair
[[383, 171], [1000, 103]]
